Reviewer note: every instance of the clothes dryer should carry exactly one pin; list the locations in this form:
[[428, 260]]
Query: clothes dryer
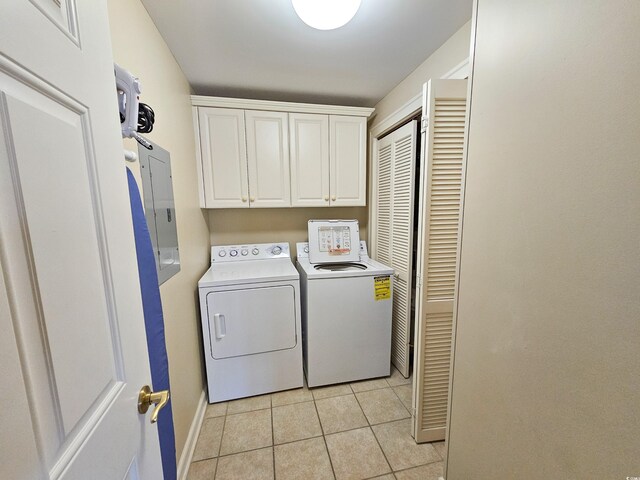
[[251, 323]]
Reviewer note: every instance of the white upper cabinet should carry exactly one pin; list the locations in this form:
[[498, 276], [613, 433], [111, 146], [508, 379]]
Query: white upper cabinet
[[268, 158], [223, 147], [348, 166], [276, 154], [309, 159], [328, 160]]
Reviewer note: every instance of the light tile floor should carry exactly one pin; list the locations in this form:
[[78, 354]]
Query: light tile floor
[[350, 431]]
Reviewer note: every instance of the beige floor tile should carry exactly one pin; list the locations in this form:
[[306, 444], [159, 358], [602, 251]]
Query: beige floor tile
[[355, 454], [291, 396], [249, 404], [397, 378], [400, 448], [295, 422], [246, 431], [306, 459], [388, 476], [381, 406], [216, 410], [208, 442], [441, 448], [369, 385], [338, 414], [331, 391], [432, 471], [203, 470], [254, 465], [405, 392]]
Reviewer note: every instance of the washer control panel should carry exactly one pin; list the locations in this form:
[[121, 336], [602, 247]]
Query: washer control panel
[[239, 253], [302, 249]]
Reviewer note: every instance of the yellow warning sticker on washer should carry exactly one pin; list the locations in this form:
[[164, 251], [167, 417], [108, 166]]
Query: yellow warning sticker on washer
[[382, 288]]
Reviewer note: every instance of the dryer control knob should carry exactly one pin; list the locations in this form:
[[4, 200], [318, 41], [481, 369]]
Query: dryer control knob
[[222, 253], [255, 251], [244, 252], [233, 253], [276, 250]]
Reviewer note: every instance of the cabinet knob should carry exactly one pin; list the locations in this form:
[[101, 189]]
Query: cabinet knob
[[252, 199], [333, 199], [326, 199], [244, 199]]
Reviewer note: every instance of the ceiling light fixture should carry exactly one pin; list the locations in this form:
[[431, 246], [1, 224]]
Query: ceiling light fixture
[[326, 14]]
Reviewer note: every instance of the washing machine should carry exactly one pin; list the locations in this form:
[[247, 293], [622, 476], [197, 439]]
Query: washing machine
[[251, 321], [346, 307]]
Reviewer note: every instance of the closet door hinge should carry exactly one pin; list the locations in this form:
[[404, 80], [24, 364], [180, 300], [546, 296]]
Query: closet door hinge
[[424, 124]]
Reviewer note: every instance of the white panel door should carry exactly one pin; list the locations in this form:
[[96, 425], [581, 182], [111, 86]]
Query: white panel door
[[440, 193], [348, 165], [394, 232], [309, 134], [73, 349], [268, 158], [224, 157]]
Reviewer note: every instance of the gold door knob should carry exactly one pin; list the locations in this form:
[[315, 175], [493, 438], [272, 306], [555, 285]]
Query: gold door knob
[[146, 398]]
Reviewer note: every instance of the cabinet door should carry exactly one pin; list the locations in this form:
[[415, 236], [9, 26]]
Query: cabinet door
[[268, 158], [309, 159], [348, 142], [224, 157]]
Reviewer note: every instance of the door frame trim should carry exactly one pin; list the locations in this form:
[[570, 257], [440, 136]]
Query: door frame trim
[[401, 115]]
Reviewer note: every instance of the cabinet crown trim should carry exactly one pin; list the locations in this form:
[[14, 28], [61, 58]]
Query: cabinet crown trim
[[248, 104]]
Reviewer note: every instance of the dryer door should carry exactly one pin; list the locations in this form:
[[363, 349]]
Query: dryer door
[[247, 321]]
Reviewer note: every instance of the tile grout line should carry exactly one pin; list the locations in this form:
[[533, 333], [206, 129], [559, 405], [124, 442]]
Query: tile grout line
[[224, 424], [397, 420], [273, 438], [401, 402], [374, 435], [324, 439]]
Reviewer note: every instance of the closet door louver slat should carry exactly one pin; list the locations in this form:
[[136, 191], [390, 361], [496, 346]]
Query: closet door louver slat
[[440, 202], [394, 230], [383, 205]]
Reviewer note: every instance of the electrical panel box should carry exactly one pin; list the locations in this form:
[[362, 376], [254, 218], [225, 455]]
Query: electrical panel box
[[159, 208]]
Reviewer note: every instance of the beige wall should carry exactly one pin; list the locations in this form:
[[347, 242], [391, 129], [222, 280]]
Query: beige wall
[[264, 225], [546, 377], [138, 46], [453, 52]]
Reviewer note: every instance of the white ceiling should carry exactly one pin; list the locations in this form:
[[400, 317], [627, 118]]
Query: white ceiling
[[261, 49]]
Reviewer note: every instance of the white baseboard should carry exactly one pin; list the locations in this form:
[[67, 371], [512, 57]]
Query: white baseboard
[[192, 438]]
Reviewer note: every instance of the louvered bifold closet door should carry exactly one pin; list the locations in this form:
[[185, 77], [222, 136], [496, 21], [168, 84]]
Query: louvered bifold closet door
[[394, 230], [383, 203], [440, 195]]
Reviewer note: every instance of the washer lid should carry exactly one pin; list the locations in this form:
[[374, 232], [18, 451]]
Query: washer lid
[[334, 241], [365, 268], [341, 267], [234, 273]]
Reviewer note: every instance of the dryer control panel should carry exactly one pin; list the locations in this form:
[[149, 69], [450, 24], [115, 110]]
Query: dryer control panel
[[257, 251]]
